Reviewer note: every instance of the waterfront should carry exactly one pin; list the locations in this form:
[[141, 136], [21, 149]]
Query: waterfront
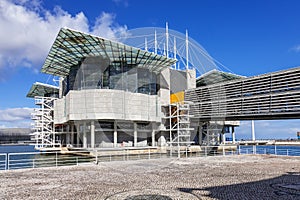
[[271, 149], [231, 177], [263, 149], [24, 156], [13, 148]]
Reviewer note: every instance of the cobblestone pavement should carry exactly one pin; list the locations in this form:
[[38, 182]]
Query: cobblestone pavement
[[229, 177]]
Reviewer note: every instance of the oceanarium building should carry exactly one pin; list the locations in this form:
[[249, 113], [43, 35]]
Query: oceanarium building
[[112, 95]]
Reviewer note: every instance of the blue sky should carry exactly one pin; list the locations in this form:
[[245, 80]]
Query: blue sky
[[248, 37]]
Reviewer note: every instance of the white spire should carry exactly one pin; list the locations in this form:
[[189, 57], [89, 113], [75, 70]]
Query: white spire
[[167, 40], [187, 49], [175, 51], [155, 42], [146, 44]]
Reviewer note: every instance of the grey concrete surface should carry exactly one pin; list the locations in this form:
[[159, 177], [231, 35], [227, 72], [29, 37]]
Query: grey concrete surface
[[230, 177]]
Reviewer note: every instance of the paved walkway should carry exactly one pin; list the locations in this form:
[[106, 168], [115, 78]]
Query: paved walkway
[[230, 177]]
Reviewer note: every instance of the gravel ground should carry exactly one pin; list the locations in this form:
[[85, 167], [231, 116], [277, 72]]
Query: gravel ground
[[230, 177]]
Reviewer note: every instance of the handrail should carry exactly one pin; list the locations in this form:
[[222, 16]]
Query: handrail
[[13, 161]]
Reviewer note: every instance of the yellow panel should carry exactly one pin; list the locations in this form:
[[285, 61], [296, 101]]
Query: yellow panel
[[177, 97]]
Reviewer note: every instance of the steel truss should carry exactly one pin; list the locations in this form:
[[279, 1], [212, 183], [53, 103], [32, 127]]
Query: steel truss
[[43, 126]]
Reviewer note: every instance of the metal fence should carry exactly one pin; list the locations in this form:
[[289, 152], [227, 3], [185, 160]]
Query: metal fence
[[274, 150], [3, 161], [10, 161]]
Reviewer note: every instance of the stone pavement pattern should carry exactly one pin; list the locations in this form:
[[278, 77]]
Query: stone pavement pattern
[[229, 177]]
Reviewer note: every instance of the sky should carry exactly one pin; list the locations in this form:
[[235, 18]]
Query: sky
[[247, 37]]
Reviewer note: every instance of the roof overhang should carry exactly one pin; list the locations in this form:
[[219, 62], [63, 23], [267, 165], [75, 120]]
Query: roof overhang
[[215, 76], [42, 89], [71, 47]]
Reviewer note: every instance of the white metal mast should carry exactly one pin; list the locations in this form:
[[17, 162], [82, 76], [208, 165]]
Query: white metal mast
[[187, 49], [175, 51], [167, 40], [146, 44], [155, 43]]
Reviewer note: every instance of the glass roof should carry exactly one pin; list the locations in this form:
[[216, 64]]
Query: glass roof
[[71, 47], [42, 89], [215, 76]]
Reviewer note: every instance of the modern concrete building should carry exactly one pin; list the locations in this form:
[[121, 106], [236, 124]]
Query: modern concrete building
[[110, 95]]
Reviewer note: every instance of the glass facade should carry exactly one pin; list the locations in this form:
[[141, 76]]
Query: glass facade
[[98, 73]]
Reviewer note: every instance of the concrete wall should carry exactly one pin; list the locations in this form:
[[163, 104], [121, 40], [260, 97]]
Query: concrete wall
[[191, 78], [181, 80], [107, 104], [164, 91]]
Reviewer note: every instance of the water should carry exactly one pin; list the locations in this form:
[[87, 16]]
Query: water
[[16, 148], [25, 156], [271, 149]]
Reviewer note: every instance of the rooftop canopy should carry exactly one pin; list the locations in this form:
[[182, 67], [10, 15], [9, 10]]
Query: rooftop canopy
[[71, 47], [215, 76], [41, 89]]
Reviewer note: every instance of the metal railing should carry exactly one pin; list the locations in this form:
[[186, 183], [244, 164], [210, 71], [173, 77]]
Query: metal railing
[[276, 150], [11, 161], [41, 159], [3, 161]]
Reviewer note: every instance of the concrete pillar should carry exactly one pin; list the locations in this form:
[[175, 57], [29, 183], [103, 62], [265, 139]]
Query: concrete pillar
[[153, 134], [61, 79], [134, 134], [84, 135], [191, 78], [72, 134], [115, 134], [78, 134], [68, 134], [92, 134], [253, 130], [233, 135], [223, 138], [200, 133]]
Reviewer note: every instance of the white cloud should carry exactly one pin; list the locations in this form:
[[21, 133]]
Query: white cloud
[[104, 26], [15, 117], [296, 48], [28, 31], [121, 2]]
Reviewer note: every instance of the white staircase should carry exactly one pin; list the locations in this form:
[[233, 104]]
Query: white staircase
[[43, 126]]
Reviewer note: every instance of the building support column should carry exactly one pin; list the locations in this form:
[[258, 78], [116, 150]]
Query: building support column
[[153, 134], [233, 135], [72, 134], [200, 131], [223, 138], [115, 134], [92, 134], [78, 134], [84, 135], [253, 130], [68, 134], [134, 134]]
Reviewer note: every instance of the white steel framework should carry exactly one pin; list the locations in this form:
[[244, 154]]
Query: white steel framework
[[179, 125], [44, 130]]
